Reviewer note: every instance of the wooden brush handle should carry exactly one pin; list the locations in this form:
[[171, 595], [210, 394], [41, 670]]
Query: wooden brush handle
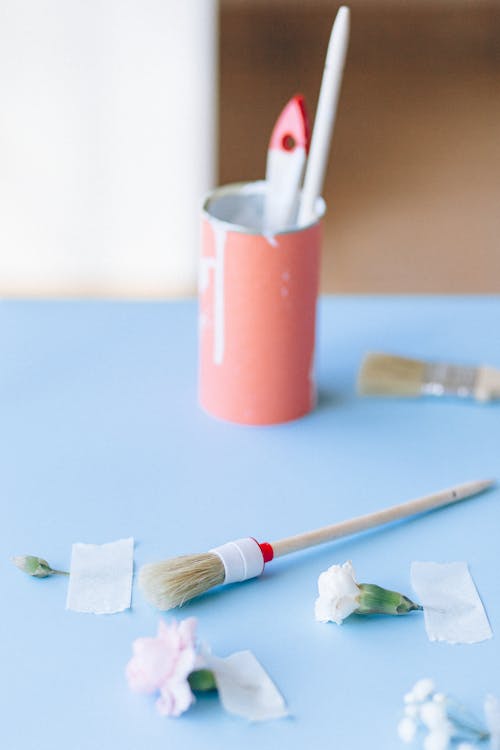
[[380, 517]]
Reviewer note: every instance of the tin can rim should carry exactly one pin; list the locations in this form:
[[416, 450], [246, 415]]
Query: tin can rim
[[255, 187]]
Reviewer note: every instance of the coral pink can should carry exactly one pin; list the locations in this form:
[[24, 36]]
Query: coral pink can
[[257, 311]]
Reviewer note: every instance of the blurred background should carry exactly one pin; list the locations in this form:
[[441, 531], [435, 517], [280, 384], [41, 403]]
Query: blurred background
[[413, 185]]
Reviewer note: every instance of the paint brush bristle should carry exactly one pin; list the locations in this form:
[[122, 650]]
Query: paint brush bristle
[[487, 386], [387, 375], [382, 374], [173, 582]]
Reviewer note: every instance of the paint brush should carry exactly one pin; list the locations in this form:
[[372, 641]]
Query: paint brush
[[170, 583], [388, 375], [325, 117], [286, 157]]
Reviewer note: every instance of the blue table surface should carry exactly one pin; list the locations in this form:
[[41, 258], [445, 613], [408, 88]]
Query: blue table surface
[[101, 438]]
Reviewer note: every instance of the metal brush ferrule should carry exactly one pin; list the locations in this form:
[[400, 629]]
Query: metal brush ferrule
[[448, 380]]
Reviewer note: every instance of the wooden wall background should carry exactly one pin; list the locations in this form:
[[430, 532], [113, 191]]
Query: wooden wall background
[[413, 186]]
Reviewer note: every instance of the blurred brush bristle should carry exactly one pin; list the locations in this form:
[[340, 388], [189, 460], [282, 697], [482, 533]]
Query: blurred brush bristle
[[487, 385], [387, 375], [170, 583]]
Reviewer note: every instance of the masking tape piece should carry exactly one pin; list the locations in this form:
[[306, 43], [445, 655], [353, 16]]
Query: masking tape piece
[[100, 578], [453, 611], [245, 688]]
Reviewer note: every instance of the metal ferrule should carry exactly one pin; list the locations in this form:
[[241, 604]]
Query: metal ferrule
[[449, 380]]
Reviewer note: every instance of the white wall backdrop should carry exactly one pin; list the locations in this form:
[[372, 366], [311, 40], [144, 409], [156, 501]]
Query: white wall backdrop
[[107, 144]]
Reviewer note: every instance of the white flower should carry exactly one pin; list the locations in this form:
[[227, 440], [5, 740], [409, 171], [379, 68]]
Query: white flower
[[421, 711], [433, 715], [407, 728], [411, 709], [446, 722], [439, 738], [492, 714], [422, 689], [338, 594], [439, 698]]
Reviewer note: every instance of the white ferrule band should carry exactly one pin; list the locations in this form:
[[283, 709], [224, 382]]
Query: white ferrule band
[[242, 559]]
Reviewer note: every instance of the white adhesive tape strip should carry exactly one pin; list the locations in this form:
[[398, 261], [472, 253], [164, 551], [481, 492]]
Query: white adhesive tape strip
[[100, 578], [242, 559], [245, 689], [453, 611]]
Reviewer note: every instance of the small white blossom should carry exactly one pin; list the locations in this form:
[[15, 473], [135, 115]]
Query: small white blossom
[[411, 709], [445, 721], [492, 715], [338, 594], [439, 698], [439, 738], [433, 715], [407, 728], [423, 689]]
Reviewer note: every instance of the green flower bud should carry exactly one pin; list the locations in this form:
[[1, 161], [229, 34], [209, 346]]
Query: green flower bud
[[376, 600], [35, 566]]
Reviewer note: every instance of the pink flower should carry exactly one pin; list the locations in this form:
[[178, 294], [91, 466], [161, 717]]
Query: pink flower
[[163, 664]]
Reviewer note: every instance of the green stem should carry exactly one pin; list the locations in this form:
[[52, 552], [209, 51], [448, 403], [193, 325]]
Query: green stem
[[470, 730]]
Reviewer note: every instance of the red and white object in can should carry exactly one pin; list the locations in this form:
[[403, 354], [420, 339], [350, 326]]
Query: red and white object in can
[[286, 158]]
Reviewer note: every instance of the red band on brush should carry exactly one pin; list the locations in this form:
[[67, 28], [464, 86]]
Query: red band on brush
[[267, 551]]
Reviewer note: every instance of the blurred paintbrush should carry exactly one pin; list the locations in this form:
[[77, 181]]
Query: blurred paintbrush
[[388, 375]]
